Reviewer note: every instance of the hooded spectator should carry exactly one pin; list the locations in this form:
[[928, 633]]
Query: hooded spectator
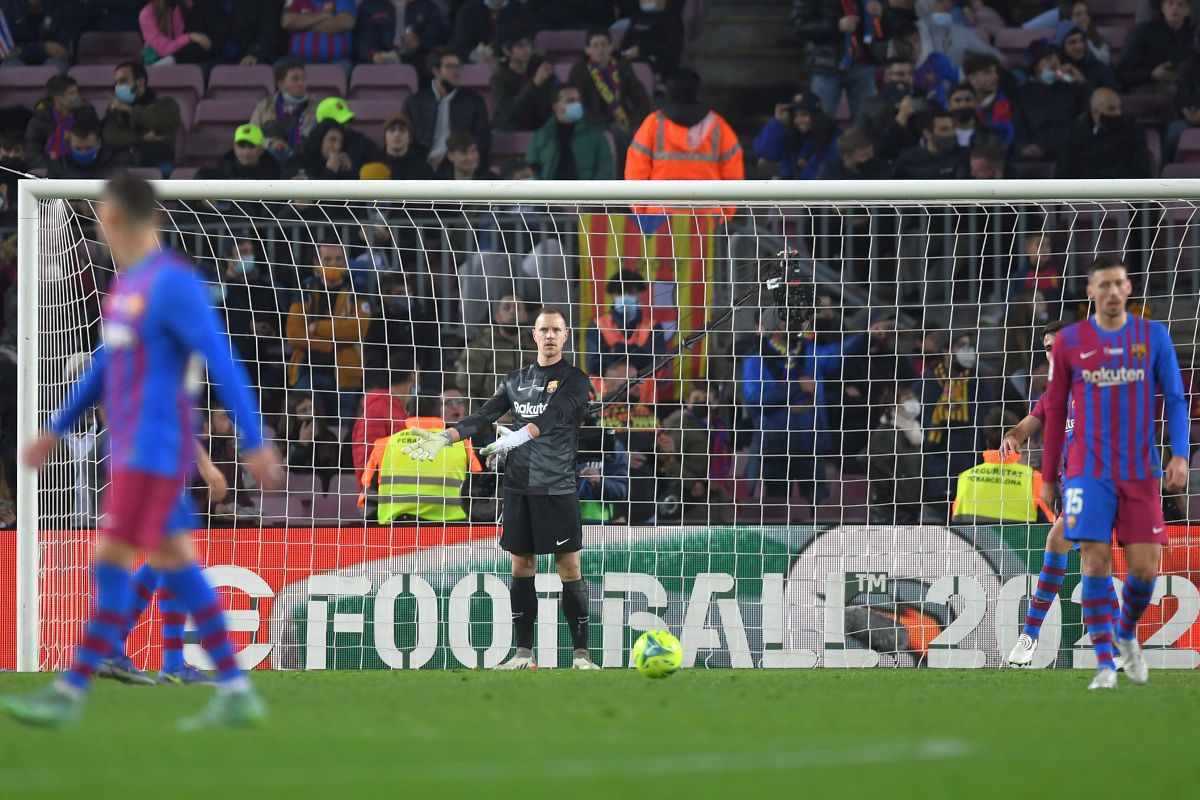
[[1076, 51], [567, 146], [325, 156], [1105, 143], [801, 138], [140, 127]]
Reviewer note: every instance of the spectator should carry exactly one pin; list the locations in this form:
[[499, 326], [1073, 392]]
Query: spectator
[[494, 350], [568, 147], [140, 127], [893, 461], [843, 41], [612, 94], [404, 329], [480, 23], [603, 479], [288, 116], [933, 72], [968, 128], [325, 156], [167, 38], [403, 156], [319, 30], [801, 138], [994, 106], [866, 379], [42, 31], [1036, 271], [325, 329], [247, 161], [559, 15], [705, 445], [361, 148], [1050, 103], [522, 86], [252, 318], [454, 406], [249, 30], [655, 35], [462, 160], [1081, 18], [939, 155], [384, 411], [626, 332], [856, 160], [314, 446], [375, 33], [889, 117], [55, 115], [1187, 101], [635, 427], [1105, 143], [988, 162], [443, 106], [86, 156], [1075, 51], [13, 164], [940, 33], [218, 436], [423, 29], [1156, 49]]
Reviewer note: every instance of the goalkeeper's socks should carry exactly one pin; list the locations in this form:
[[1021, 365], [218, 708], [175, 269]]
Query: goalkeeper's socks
[[174, 614], [1097, 616], [144, 582], [194, 593], [524, 610], [1135, 596], [1050, 581], [575, 609], [105, 628]]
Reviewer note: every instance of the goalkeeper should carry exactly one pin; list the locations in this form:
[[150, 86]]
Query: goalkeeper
[[541, 504]]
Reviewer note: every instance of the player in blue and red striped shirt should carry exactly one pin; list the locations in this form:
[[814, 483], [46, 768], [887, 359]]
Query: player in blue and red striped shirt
[[319, 30], [1111, 366], [155, 321]]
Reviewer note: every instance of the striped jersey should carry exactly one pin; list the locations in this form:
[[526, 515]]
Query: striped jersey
[[1112, 378], [156, 318], [309, 45], [1039, 413]]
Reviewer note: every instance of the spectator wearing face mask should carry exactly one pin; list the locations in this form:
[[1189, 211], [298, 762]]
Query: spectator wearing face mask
[[286, 117], [993, 103], [253, 319], [893, 461], [969, 129], [404, 328], [800, 138], [86, 156], [941, 33], [568, 147], [1105, 143], [625, 332], [140, 127], [1050, 103], [856, 160], [495, 350], [53, 117], [1155, 50], [939, 156]]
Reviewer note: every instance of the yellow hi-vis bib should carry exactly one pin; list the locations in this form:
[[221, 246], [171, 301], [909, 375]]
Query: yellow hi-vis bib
[[1007, 491], [427, 490]]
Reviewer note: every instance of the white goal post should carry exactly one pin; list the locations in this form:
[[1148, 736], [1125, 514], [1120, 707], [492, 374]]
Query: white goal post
[[935, 261]]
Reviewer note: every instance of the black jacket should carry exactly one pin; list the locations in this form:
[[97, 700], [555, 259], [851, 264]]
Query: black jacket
[[468, 112], [42, 125], [521, 106], [67, 167], [1100, 153], [558, 15], [1048, 111], [876, 169], [817, 22], [1150, 44], [411, 166], [374, 29], [56, 22], [658, 36], [228, 168], [252, 28], [917, 163], [477, 24]]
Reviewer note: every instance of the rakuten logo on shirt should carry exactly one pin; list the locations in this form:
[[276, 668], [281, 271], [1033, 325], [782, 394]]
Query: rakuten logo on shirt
[[529, 409], [1113, 377]]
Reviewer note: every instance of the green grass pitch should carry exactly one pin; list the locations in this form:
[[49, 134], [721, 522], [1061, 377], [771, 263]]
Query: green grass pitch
[[701, 733]]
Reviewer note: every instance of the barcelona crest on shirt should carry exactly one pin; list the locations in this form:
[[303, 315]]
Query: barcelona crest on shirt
[[1139, 350], [551, 386]]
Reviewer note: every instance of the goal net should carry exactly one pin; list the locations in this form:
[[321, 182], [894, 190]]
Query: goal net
[[783, 478]]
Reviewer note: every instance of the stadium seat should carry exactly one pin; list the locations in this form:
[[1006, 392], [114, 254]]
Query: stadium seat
[[184, 82], [1189, 146], [476, 77], [325, 80], [233, 82], [103, 47], [1115, 36], [1113, 12], [371, 112], [562, 70], [1148, 110], [205, 149], [1186, 170], [95, 81], [183, 174], [1014, 42], [381, 81], [149, 173], [507, 145], [222, 116], [560, 45], [24, 86]]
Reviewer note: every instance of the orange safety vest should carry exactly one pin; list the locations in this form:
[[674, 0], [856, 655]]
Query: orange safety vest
[[380, 445], [663, 150], [614, 334]]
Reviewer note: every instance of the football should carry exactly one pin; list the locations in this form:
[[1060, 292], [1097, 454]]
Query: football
[[657, 654]]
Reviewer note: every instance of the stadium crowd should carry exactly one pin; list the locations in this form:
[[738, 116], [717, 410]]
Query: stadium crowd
[[350, 346]]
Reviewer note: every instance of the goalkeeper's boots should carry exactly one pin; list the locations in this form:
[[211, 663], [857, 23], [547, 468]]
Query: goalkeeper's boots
[[581, 660], [121, 668], [1133, 660], [1022, 652], [522, 660], [185, 675], [240, 709], [1105, 679], [53, 706]]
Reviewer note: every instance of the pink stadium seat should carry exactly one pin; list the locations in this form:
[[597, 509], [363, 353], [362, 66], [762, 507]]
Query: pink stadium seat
[[556, 45], [95, 81], [325, 80], [1189, 147], [1013, 42], [508, 145], [370, 113], [230, 81], [1182, 170], [101, 47], [183, 174], [477, 77], [344, 488], [381, 81], [222, 116], [149, 173], [184, 82], [562, 69], [24, 86], [1148, 109], [205, 149], [1113, 12]]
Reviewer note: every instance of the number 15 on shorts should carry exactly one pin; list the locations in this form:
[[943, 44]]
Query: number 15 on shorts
[[1073, 500]]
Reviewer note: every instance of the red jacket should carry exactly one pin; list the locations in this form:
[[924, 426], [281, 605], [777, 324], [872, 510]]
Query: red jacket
[[383, 415]]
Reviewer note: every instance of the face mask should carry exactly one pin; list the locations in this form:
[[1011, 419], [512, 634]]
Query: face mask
[[625, 301], [244, 265], [332, 275], [700, 410], [945, 143], [966, 356], [941, 19], [510, 330], [84, 158], [573, 112], [292, 100], [963, 115], [125, 93], [1048, 76], [911, 407]]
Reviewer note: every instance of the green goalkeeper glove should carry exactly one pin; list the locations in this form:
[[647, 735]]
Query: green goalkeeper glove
[[427, 446]]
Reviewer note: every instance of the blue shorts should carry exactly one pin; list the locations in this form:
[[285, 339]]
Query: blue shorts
[[1096, 508]]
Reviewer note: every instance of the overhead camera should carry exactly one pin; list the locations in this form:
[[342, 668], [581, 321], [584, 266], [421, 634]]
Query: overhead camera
[[794, 292]]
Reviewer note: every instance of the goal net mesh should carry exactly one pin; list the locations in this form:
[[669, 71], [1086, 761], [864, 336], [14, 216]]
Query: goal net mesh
[[777, 497]]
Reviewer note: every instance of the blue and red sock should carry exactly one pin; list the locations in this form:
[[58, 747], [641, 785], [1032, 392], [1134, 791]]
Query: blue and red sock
[[174, 622], [195, 594], [1050, 581], [144, 582], [114, 595], [1112, 596], [1136, 597], [1097, 616]]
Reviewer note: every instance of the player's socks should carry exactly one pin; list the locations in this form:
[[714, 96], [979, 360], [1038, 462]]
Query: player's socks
[[575, 609], [174, 615], [1112, 596], [1050, 581], [524, 610], [144, 582], [1136, 596], [196, 595], [114, 595], [1097, 616]]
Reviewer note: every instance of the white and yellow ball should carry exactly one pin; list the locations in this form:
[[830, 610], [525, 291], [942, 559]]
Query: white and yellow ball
[[657, 654]]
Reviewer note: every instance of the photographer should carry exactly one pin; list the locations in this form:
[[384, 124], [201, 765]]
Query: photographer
[[889, 118]]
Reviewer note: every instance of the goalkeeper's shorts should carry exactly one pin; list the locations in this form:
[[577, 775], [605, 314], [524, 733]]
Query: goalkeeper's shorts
[[541, 523]]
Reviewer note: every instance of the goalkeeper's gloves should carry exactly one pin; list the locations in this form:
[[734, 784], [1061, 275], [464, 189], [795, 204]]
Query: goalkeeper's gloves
[[427, 446], [506, 441]]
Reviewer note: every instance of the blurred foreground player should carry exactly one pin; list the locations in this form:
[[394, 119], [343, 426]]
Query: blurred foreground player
[[156, 318], [541, 500], [1111, 366]]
